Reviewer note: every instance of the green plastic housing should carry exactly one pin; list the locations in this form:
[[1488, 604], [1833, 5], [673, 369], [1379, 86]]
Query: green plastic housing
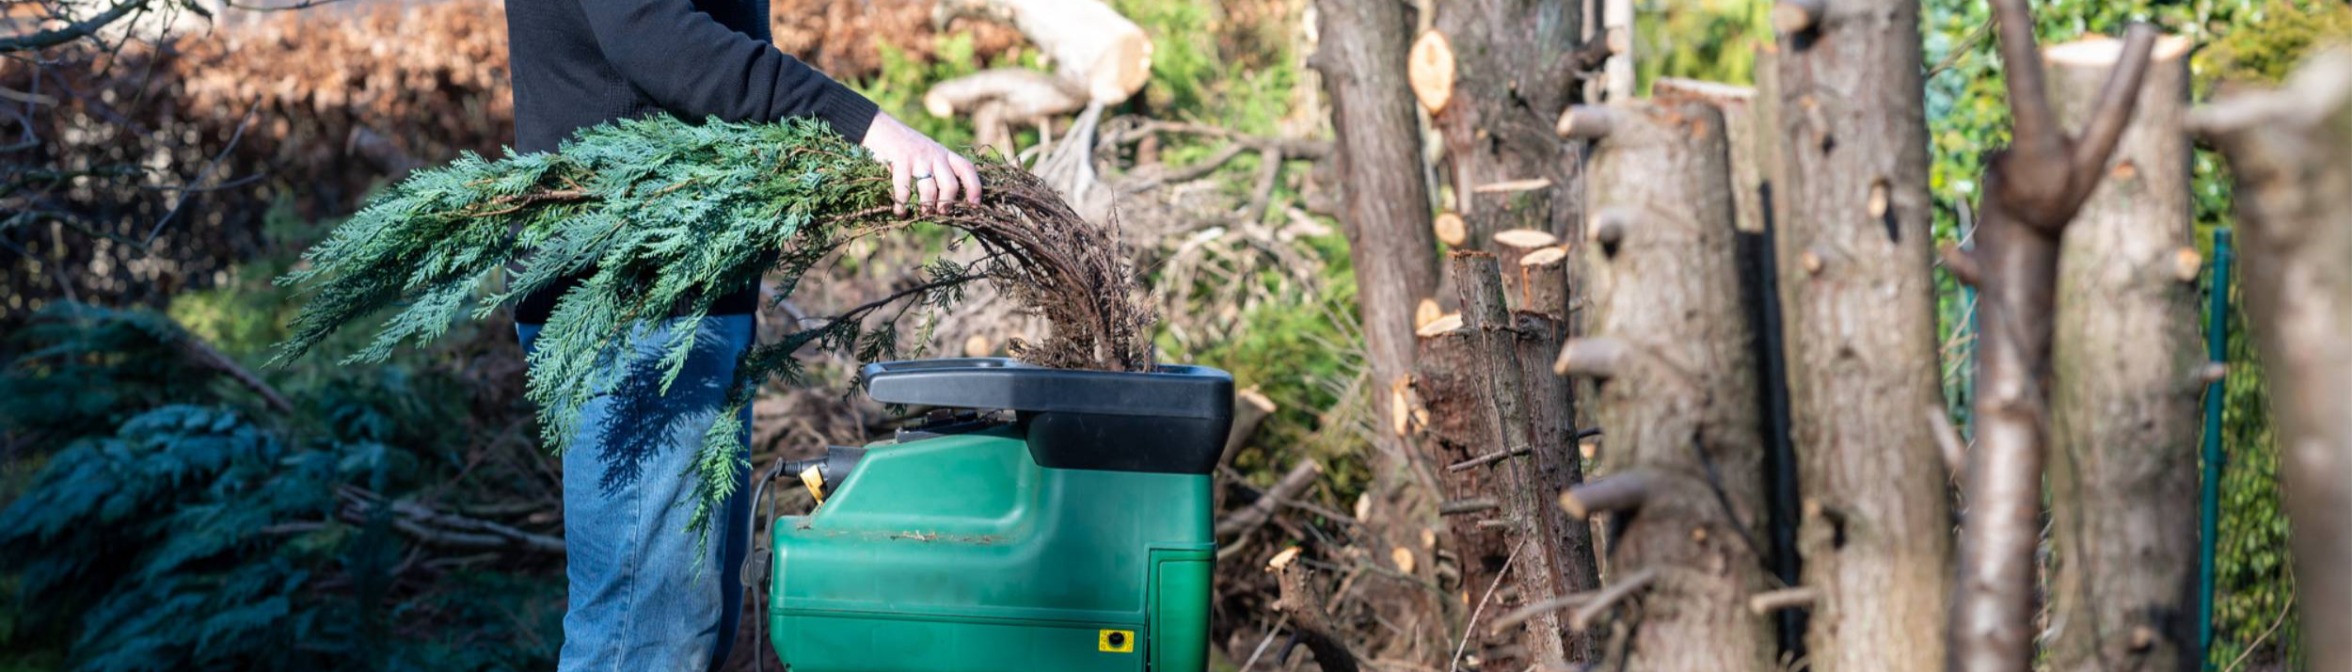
[[960, 554]]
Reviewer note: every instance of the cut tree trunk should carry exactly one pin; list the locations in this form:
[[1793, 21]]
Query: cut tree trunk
[[1753, 138], [1859, 306], [1388, 225], [1511, 74], [1672, 353], [1361, 58], [2032, 190], [996, 99], [1540, 320], [1510, 247], [1749, 160], [1026, 94], [2125, 386], [2287, 149], [1094, 50], [1502, 426]]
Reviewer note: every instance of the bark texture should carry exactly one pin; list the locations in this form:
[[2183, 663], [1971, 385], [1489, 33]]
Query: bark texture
[[1513, 74], [1741, 124], [2033, 189], [2287, 149], [1753, 135], [1362, 61], [1858, 302], [1386, 217], [1451, 386], [1677, 389], [2125, 393], [1501, 423]]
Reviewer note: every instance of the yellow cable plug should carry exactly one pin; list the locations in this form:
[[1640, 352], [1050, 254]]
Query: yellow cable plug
[[815, 481]]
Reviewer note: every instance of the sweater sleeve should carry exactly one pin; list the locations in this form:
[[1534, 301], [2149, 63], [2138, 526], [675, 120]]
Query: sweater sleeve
[[694, 66]]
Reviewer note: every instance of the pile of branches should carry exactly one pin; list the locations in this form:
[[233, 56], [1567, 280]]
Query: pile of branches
[[147, 166], [660, 218]]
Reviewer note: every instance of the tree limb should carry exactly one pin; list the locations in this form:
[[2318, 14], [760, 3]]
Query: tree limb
[[2116, 101], [1785, 598], [75, 31], [1254, 515], [1302, 601], [2034, 125], [211, 358], [1615, 492], [1608, 597]]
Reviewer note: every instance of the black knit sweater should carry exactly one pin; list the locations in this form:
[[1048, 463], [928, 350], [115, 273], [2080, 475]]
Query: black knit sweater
[[578, 63]]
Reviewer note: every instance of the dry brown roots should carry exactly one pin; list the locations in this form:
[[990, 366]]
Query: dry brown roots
[[1071, 271]]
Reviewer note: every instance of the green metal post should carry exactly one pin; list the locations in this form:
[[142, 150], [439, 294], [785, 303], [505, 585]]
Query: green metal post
[[2209, 501]]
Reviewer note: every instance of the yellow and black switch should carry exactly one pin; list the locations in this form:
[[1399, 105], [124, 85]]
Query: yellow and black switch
[[1115, 641]]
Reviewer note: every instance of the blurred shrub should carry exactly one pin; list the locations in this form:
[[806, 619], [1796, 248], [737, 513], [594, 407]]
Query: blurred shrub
[[1709, 40], [173, 523]]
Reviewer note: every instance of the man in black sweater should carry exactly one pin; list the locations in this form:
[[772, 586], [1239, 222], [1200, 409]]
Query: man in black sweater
[[644, 596]]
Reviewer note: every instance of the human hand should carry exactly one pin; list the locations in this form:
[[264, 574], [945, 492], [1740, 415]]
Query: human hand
[[936, 175]]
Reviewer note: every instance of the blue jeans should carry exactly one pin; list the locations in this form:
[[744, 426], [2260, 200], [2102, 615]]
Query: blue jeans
[[643, 596]]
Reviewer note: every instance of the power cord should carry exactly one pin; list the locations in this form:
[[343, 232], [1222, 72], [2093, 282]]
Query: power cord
[[755, 563]]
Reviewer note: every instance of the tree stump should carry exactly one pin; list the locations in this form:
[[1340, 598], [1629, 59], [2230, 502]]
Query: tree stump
[[1859, 304], [2125, 390], [1671, 350]]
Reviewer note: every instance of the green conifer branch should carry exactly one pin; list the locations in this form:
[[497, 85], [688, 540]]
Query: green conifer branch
[[661, 217]]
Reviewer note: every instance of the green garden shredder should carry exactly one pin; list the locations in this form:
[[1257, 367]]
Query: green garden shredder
[[1041, 519]]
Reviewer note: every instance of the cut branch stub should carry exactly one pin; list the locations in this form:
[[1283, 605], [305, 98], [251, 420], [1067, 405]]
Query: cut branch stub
[[1545, 257], [1608, 228], [1585, 122], [1612, 493], [1430, 69], [1443, 324], [1450, 229], [1546, 275], [1512, 246], [1524, 240], [1785, 598], [1426, 311], [1606, 598], [1796, 16], [1599, 358]]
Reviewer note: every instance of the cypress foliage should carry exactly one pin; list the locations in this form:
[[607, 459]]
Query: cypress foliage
[[662, 217]]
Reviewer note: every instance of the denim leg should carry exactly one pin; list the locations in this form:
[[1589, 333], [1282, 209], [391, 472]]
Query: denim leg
[[643, 595]]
